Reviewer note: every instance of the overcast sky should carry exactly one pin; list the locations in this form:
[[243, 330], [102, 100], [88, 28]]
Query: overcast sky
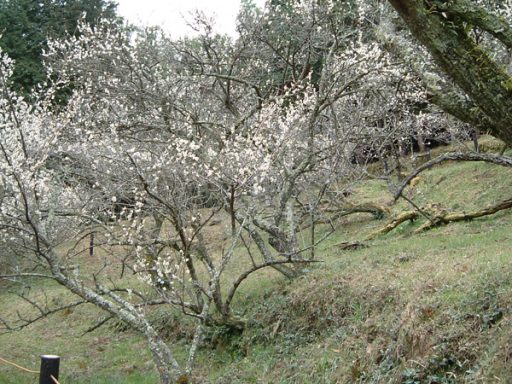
[[171, 14]]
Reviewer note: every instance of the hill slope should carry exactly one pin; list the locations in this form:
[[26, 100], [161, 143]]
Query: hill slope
[[434, 307]]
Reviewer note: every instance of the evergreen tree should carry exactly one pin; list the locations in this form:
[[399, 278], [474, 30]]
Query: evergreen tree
[[25, 26]]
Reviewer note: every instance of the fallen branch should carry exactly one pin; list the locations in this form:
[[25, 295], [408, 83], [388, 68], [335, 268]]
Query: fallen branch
[[453, 156], [378, 212], [349, 246], [395, 222], [440, 217], [444, 218]]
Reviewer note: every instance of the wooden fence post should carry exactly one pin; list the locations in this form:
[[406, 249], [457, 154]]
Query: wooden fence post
[[49, 369]]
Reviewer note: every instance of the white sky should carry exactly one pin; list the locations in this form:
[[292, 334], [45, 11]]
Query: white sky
[[171, 14]]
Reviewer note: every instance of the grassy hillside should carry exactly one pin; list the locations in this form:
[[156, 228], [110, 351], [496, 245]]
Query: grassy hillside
[[429, 308]]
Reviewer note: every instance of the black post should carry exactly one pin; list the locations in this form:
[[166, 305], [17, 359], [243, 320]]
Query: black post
[[49, 368], [91, 244]]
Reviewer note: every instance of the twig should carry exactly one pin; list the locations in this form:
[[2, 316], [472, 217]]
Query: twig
[[425, 214], [43, 314], [97, 325]]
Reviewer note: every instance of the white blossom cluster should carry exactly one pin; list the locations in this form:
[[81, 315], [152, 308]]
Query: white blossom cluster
[[155, 132], [31, 198]]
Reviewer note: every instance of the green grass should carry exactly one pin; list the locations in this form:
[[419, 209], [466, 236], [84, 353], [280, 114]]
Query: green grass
[[429, 308]]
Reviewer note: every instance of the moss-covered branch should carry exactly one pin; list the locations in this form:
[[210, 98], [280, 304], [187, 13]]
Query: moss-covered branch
[[455, 103], [479, 17], [486, 84]]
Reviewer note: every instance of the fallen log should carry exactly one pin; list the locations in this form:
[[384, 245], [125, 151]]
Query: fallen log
[[395, 222], [440, 217], [446, 217]]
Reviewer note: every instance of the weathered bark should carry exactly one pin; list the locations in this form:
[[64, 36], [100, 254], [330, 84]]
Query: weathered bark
[[265, 252], [168, 367], [458, 105], [91, 244], [439, 26]]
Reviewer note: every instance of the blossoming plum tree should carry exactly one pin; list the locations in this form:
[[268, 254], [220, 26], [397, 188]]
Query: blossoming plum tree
[[162, 139]]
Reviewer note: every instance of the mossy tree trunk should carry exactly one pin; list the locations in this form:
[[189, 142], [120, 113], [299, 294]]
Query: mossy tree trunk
[[441, 26]]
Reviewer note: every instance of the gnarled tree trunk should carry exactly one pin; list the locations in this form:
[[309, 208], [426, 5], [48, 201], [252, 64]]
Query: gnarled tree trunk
[[440, 27]]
